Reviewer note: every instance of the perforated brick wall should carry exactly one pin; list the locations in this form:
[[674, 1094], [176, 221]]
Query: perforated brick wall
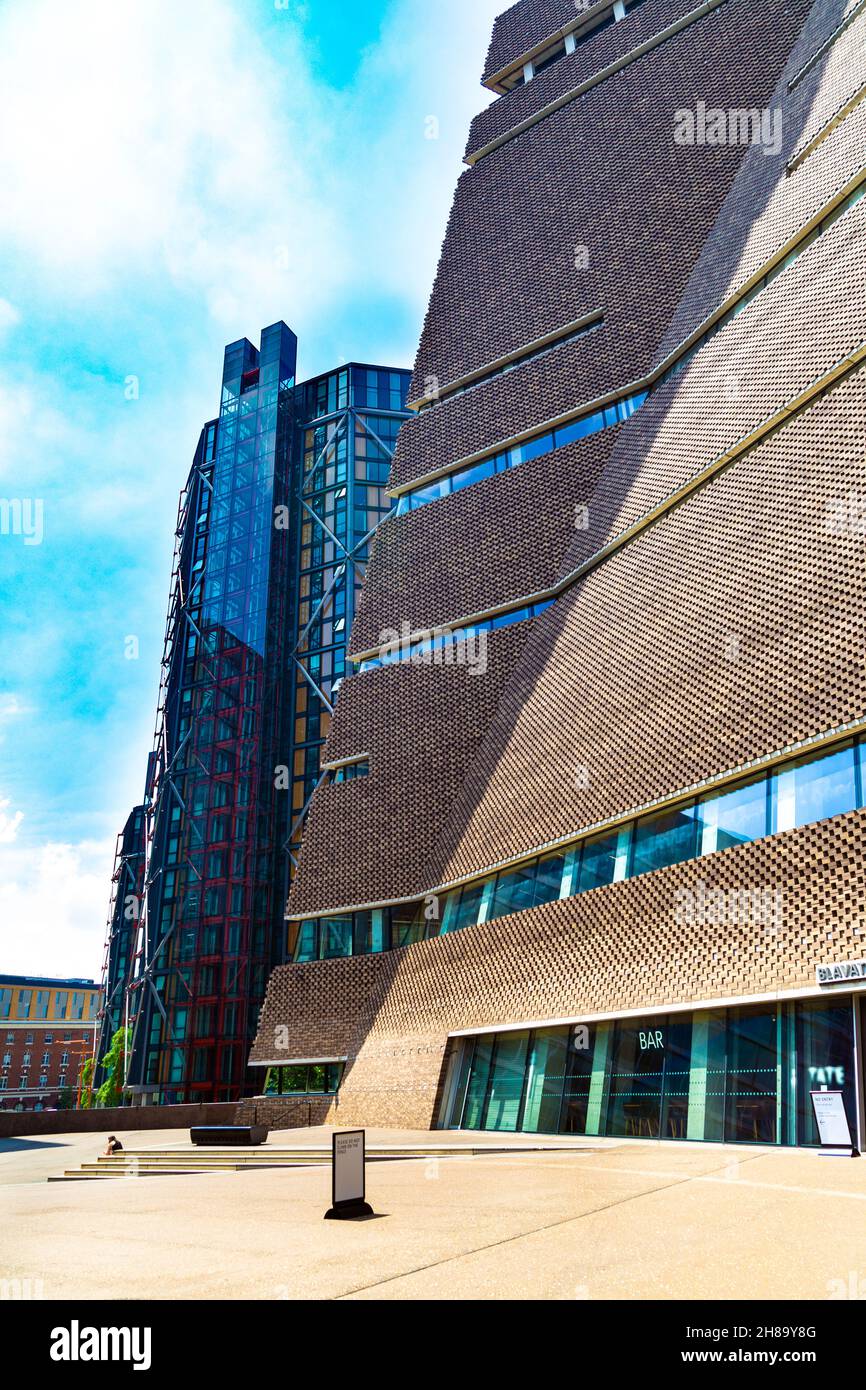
[[627, 946]]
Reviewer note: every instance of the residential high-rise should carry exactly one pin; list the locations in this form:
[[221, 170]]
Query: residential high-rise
[[273, 532], [605, 873]]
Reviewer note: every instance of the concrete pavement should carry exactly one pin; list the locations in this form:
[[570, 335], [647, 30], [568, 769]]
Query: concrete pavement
[[610, 1220]]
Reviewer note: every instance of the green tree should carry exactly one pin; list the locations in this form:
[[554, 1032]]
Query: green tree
[[66, 1099], [87, 1084], [114, 1063]]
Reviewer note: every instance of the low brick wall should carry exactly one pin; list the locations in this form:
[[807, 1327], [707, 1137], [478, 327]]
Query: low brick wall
[[278, 1112], [14, 1123]]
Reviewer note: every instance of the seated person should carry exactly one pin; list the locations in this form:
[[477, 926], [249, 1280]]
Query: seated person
[[113, 1146]]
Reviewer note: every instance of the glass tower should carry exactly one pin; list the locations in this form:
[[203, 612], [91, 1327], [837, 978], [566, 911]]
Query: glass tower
[[286, 487]]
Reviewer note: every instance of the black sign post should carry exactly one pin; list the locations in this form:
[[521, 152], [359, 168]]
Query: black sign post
[[348, 1176]]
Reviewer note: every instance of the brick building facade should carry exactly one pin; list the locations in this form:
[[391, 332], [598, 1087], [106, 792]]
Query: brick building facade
[[604, 874], [46, 1033]]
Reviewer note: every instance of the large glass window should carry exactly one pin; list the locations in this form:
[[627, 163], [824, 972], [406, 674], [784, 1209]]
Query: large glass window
[[515, 890], [740, 1075], [814, 789], [734, 817], [304, 1078], [666, 838]]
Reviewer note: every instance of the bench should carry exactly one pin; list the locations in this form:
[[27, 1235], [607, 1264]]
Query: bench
[[246, 1135]]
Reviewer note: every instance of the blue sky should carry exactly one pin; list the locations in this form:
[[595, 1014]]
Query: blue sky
[[174, 177]]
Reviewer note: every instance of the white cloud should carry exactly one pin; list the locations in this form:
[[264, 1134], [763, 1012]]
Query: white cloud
[[156, 141], [9, 316], [427, 64], [165, 142], [10, 708], [9, 823], [159, 164], [53, 902], [34, 434]]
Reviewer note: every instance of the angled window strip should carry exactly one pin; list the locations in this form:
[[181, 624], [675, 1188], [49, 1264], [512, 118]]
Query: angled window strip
[[593, 19], [433, 647], [540, 439], [347, 769], [579, 427], [844, 367], [518, 358], [751, 802], [634, 54]]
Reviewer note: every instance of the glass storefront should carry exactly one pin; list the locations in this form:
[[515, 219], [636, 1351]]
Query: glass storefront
[[739, 1075]]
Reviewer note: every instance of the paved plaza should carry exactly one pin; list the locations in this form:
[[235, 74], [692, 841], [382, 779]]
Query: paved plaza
[[600, 1220]]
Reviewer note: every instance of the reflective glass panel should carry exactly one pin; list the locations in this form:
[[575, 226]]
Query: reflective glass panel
[[733, 817], [636, 1079], [598, 861], [308, 942], [336, 937], [578, 1080], [467, 911], [407, 925], [548, 879], [455, 1119], [506, 1081], [545, 1077], [514, 891], [825, 1062], [363, 943], [752, 1081], [668, 837], [476, 474], [814, 789], [476, 1090]]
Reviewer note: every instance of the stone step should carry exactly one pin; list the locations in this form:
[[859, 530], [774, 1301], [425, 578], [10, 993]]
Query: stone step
[[131, 1163]]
